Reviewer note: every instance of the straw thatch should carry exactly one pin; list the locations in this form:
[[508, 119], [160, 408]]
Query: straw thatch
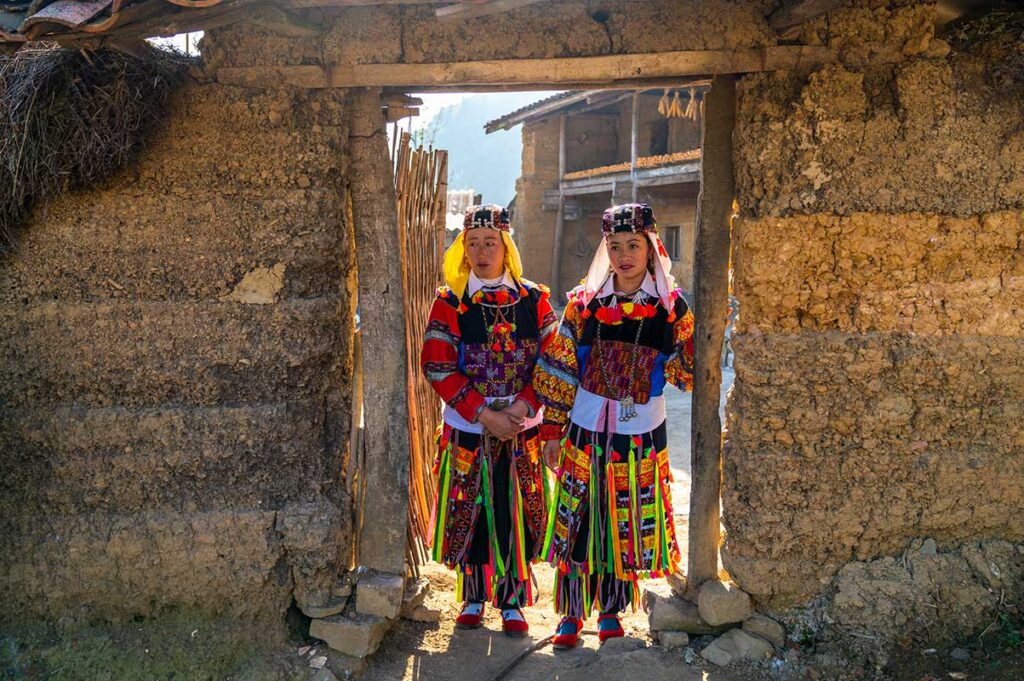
[[70, 118]]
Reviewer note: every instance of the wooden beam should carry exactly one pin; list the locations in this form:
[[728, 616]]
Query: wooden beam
[[399, 99], [382, 535], [397, 113], [560, 72], [466, 10], [352, 3], [634, 137], [621, 85], [711, 291]]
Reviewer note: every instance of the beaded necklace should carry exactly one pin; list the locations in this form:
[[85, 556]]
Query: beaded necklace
[[627, 406], [501, 332]]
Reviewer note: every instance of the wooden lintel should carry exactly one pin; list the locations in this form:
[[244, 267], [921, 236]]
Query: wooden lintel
[[397, 113], [558, 72], [621, 85], [352, 3], [400, 99]]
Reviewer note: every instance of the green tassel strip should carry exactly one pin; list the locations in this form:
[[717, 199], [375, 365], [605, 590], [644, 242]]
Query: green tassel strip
[[488, 503], [444, 489]]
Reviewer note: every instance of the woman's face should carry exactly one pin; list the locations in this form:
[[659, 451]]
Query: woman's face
[[485, 252], [629, 255]]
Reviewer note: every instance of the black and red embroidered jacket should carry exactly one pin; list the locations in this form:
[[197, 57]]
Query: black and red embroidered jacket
[[460, 362]]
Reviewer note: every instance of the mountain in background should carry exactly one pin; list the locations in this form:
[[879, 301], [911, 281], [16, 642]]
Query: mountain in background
[[489, 164]]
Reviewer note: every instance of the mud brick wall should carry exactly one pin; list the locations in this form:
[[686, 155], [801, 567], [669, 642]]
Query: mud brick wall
[[175, 369], [533, 227], [878, 259], [568, 28]]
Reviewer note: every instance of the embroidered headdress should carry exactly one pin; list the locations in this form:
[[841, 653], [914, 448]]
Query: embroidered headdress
[[637, 218], [629, 217], [486, 216]]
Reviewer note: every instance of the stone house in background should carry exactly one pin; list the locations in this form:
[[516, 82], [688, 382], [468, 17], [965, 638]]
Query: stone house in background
[[584, 151]]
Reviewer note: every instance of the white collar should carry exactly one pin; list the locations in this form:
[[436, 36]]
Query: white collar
[[475, 284], [647, 286]]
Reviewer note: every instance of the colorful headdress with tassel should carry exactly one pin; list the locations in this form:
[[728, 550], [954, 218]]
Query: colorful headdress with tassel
[[456, 266], [629, 217], [636, 218]]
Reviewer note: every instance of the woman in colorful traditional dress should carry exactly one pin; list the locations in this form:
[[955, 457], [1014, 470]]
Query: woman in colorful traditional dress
[[625, 334], [486, 330]]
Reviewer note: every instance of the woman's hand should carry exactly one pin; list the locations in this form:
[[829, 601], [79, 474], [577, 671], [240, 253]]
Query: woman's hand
[[499, 424], [518, 411], [551, 448]]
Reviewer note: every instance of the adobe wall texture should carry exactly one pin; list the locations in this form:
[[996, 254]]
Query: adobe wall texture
[[175, 369], [879, 361], [533, 226], [412, 34]]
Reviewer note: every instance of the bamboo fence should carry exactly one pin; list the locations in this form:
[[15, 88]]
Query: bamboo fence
[[421, 188]]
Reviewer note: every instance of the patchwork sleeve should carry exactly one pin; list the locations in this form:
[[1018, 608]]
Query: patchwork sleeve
[[547, 323], [556, 376], [679, 365], [439, 361]]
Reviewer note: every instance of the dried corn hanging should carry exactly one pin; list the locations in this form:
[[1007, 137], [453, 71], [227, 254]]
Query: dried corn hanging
[[676, 110], [691, 106]]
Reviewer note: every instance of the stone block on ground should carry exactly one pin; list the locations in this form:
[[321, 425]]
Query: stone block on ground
[[380, 594], [415, 593], [675, 614], [766, 628], [720, 603], [423, 613], [358, 636], [324, 674], [623, 644], [333, 606], [734, 645], [345, 666], [671, 640]]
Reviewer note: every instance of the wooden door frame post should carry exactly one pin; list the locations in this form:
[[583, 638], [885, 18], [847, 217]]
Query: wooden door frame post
[[382, 537], [711, 290], [556, 246], [634, 143]]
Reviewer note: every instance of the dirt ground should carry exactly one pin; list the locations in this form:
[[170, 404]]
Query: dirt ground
[[439, 652], [425, 652]]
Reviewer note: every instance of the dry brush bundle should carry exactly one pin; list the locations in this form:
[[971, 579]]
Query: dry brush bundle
[[70, 118]]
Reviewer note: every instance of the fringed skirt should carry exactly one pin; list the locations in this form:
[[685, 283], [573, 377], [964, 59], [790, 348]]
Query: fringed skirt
[[489, 515], [611, 524]]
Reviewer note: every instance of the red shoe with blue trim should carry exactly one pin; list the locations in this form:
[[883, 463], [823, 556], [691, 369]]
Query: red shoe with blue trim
[[609, 626], [568, 633]]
